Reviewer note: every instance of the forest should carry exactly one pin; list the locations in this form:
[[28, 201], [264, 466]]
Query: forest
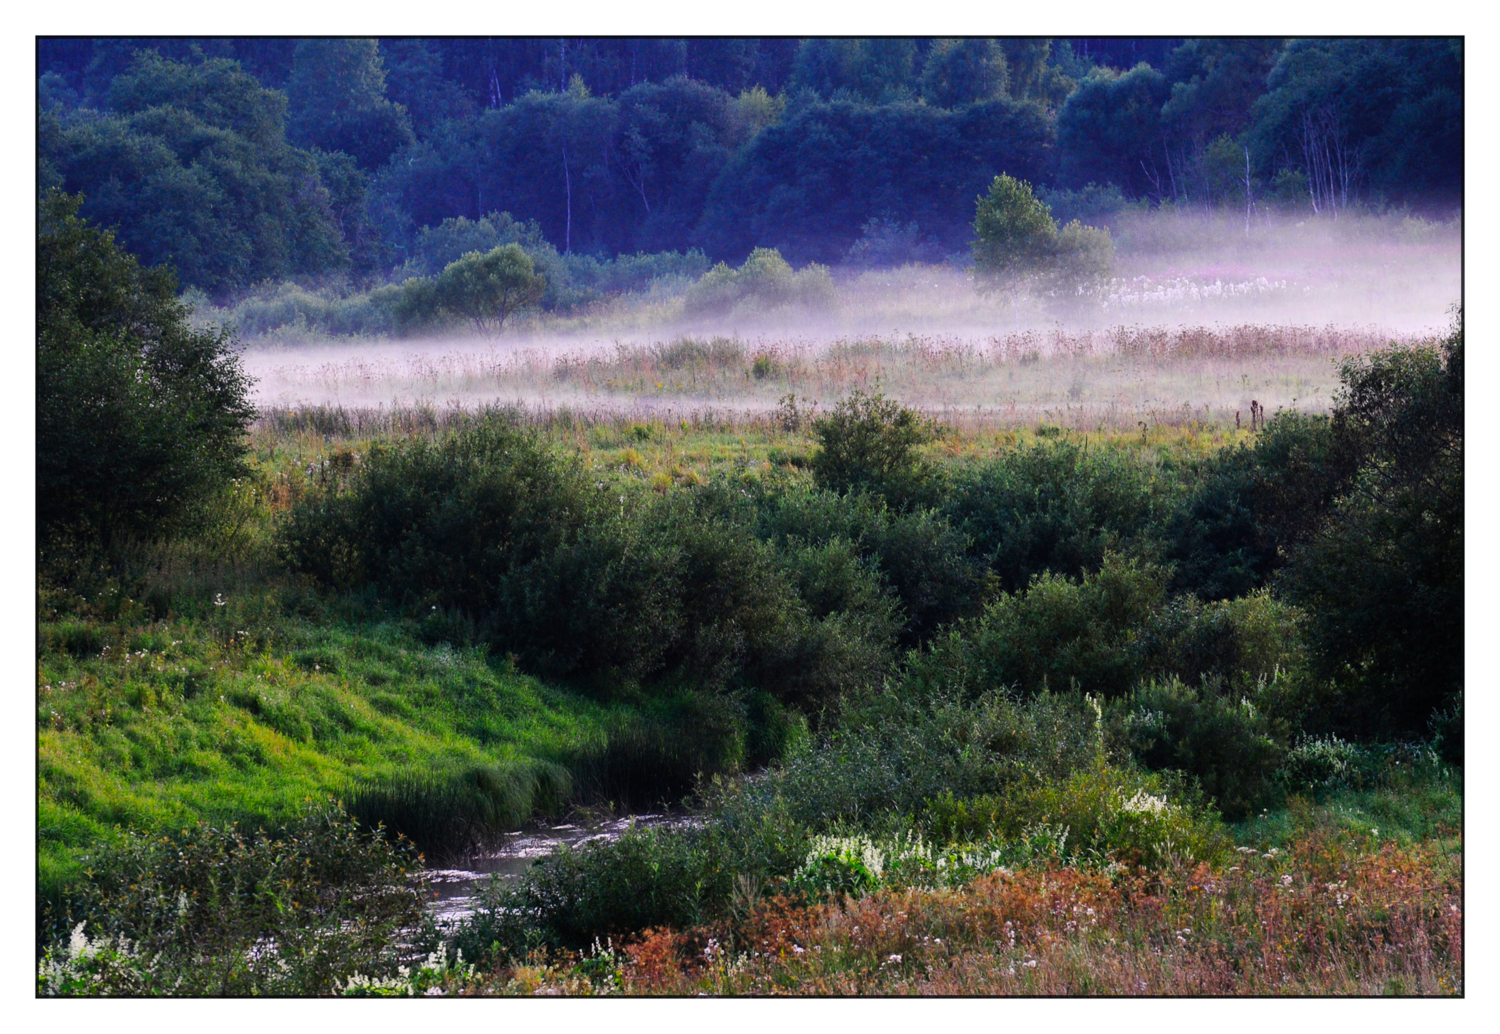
[[335, 161], [749, 517]]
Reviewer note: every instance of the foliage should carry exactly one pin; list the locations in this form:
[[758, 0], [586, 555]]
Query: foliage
[[723, 144], [1016, 240], [1109, 128], [1382, 576], [1105, 634], [488, 288], [962, 71], [809, 183], [1227, 744], [895, 750], [763, 281], [919, 557], [1394, 107], [448, 814], [1317, 918], [876, 71], [884, 241], [1092, 204], [192, 912], [336, 96], [141, 417], [1053, 506], [192, 166], [490, 523], [868, 443]]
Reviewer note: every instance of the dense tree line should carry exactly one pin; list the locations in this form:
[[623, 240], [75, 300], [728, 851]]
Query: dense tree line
[[246, 160]]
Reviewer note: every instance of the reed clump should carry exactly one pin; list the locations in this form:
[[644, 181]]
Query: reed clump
[[450, 814]]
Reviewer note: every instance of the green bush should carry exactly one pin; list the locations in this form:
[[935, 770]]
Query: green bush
[[1098, 813], [869, 442], [1094, 636], [1053, 507], [488, 288], [1322, 764], [1017, 240], [1107, 633], [222, 911], [490, 526], [438, 522], [763, 281], [900, 748], [1214, 532], [660, 754], [1381, 575], [1220, 739], [654, 877], [922, 559]]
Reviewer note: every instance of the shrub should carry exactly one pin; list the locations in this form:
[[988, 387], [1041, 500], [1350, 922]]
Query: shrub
[[763, 281], [654, 877], [1106, 633], [1094, 636], [222, 911], [1299, 469], [1381, 577], [836, 866], [900, 748], [1055, 507], [1017, 240], [657, 756], [869, 442], [1097, 814], [1220, 739], [922, 559], [487, 288], [436, 522], [1319, 765], [669, 591], [1215, 535], [1245, 643]]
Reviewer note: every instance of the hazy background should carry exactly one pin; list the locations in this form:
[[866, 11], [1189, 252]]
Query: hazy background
[[1198, 321]]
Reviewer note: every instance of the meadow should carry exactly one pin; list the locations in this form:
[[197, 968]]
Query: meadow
[[1011, 655], [904, 828]]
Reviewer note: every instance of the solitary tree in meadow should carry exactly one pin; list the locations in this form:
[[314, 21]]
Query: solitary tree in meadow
[[487, 288], [1017, 242]]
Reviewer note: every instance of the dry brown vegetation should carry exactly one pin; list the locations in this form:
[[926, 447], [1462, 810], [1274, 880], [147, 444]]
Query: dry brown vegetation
[[1331, 915], [1115, 378]]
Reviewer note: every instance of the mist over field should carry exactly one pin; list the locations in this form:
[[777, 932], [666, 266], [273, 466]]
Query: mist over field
[[1199, 319], [749, 516]]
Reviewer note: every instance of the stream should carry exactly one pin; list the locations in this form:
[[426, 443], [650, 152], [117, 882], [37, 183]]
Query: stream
[[452, 893]]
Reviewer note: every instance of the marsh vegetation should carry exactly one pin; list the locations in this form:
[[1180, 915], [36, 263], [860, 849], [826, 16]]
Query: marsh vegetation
[[1055, 590]]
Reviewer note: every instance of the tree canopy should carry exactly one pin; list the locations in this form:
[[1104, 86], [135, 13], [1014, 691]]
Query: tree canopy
[[244, 160], [140, 417]]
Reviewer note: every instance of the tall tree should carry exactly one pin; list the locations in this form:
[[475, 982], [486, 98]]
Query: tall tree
[[961, 71], [337, 101], [1386, 114], [876, 71], [1109, 131], [192, 166], [140, 417]]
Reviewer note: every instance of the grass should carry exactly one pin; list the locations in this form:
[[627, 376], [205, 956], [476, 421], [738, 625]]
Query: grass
[[1114, 377], [244, 713], [214, 688]]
